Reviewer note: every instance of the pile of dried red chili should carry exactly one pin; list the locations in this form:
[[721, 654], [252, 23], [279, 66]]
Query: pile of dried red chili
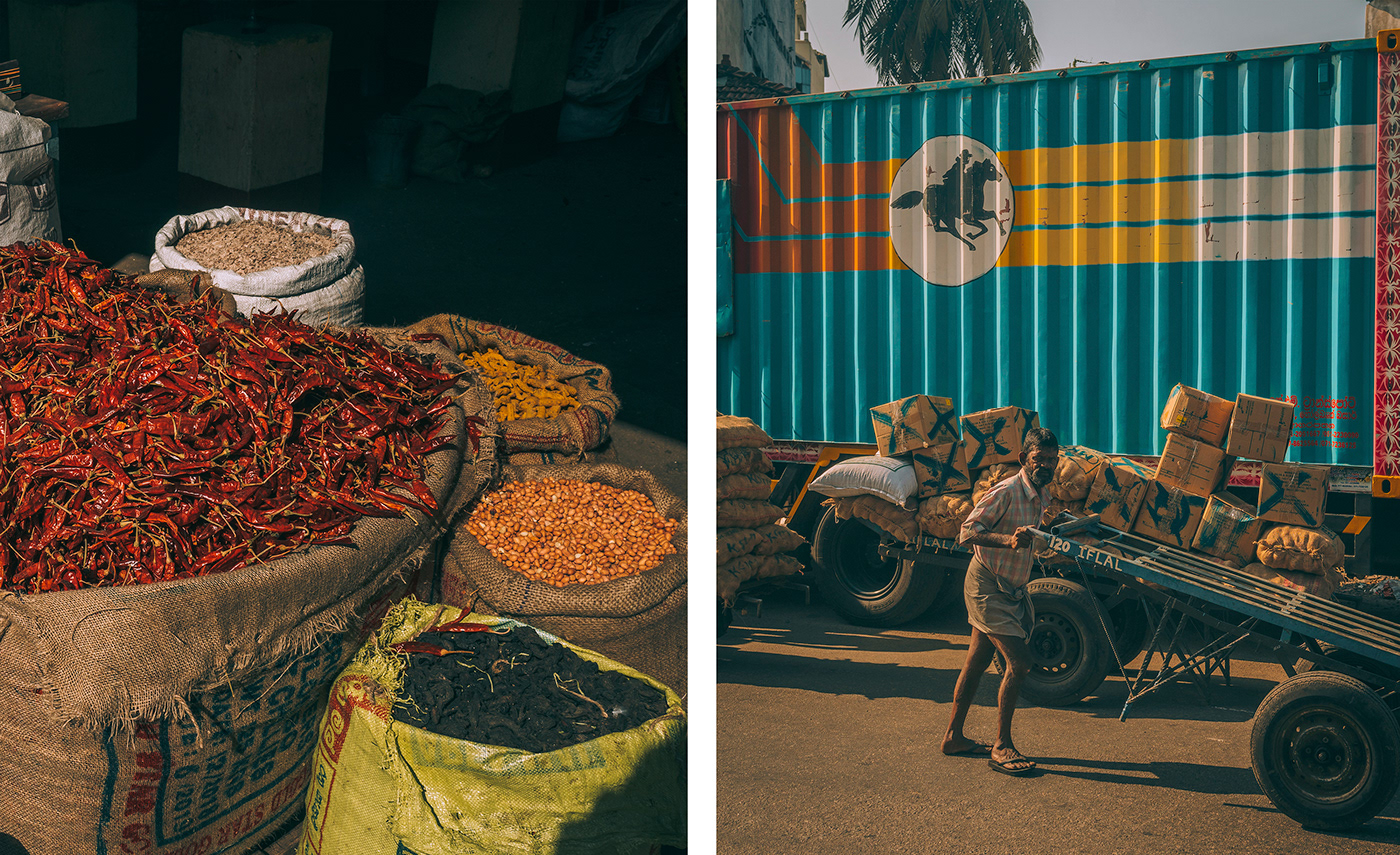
[[143, 439]]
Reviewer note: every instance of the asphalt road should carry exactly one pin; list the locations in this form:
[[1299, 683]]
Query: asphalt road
[[828, 735]]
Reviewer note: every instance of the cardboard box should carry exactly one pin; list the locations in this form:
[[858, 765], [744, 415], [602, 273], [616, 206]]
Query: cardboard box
[[996, 436], [919, 421], [1117, 492], [1169, 515], [1228, 530], [1293, 493], [941, 469], [1197, 415], [1260, 429], [1192, 466]]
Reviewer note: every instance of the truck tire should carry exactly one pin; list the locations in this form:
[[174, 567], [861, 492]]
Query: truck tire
[[1069, 651], [1326, 750], [861, 586]]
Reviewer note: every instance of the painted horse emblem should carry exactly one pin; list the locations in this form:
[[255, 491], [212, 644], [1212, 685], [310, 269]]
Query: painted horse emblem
[[960, 200]]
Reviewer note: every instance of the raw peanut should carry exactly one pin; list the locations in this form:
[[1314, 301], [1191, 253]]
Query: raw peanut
[[570, 532]]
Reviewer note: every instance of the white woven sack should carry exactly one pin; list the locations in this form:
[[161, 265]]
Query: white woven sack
[[890, 478], [288, 281], [341, 303], [28, 194]]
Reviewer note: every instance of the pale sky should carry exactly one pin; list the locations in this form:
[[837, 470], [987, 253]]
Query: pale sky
[[1124, 30]]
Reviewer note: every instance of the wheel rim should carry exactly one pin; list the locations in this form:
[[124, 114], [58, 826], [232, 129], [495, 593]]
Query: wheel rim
[[859, 567], [1322, 754], [1056, 647]]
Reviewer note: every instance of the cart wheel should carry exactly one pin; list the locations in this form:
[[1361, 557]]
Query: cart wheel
[[1326, 750], [863, 587], [1130, 629], [1069, 653], [1346, 657]]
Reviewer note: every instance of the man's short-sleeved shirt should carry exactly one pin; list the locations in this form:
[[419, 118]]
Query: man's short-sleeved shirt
[[1004, 508]]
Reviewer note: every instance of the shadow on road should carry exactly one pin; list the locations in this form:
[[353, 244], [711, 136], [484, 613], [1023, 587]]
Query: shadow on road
[[836, 676], [1381, 829], [1188, 777]]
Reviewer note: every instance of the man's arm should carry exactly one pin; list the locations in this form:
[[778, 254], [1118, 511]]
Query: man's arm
[[1019, 539], [976, 529]]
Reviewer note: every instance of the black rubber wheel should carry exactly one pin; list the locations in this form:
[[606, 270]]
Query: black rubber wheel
[[1069, 652], [1326, 750], [863, 587], [1130, 629]]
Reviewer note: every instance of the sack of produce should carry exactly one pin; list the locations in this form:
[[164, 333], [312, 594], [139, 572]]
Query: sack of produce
[[458, 732], [992, 476], [731, 543], [1322, 584], [1306, 550], [229, 533], [1075, 473], [746, 513], [774, 539], [890, 478], [548, 399], [743, 485], [737, 571], [899, 523], [603, 564], [271, 261], [1055, 507], [943, 516], [741, 460], [28, 190], [739, 432]]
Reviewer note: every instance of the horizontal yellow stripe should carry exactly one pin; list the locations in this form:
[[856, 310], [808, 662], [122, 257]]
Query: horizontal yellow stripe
[[1130, 203], [1115, 161]]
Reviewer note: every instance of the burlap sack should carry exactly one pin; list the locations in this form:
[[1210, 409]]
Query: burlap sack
[[1322, 584], [577, 431], [1057, 506], [992, 476], [734, 573], [741, 459], [743, 485], [900, 524], [606, 453], [746, 513], [727, 585], [1306, 550], [943, 516], [1075, 473], [181, 716], [731, 543], [637, 620], [739, 432], [775, 539]]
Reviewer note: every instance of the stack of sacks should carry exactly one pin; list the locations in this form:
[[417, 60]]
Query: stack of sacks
[[879, 490], [749, 543]]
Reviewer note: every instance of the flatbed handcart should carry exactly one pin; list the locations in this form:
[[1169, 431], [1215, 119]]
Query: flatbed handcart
[[1325, 745]]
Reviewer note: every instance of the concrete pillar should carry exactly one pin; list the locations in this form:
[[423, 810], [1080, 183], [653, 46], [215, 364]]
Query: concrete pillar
[[253, 105], [82, 53]]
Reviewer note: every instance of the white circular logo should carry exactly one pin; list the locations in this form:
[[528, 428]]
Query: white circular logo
[[951, 210]]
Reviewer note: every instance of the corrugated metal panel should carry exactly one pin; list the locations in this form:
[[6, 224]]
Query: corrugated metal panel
[[1076, 245], [724, 264]]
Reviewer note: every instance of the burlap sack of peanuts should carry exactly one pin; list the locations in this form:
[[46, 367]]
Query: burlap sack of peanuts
[[746, 513], [743, 485], [992, 476], [742, 459], [1306, 550], [775, 539], [739, 432], [900, 524], [1057, 506], [1322, 584], [637, 620], [181, 716], [1075, 473], [943, 516], [574, 432], [731, 543]]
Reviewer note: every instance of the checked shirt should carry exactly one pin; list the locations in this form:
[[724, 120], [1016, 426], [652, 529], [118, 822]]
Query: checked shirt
[[1004, 508]]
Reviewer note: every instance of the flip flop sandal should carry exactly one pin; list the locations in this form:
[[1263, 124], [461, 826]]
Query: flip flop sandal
[[1005, 768]]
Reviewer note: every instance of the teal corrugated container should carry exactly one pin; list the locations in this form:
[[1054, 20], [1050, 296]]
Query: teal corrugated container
[[1074, 242]]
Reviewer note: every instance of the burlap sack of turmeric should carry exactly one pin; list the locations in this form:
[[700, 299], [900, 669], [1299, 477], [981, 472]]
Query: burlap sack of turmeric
[[574, 432], [1305, 550], [900, 524], [1322, 584], [943, 516], [739, 432], [180, 716], [992, 476], [637, 620], [1075, 473], [743, 485], [746, 513], [742, 459]]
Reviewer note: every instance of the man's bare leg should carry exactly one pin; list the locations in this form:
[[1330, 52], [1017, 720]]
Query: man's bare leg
[[979, 656], [1017, 656]]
